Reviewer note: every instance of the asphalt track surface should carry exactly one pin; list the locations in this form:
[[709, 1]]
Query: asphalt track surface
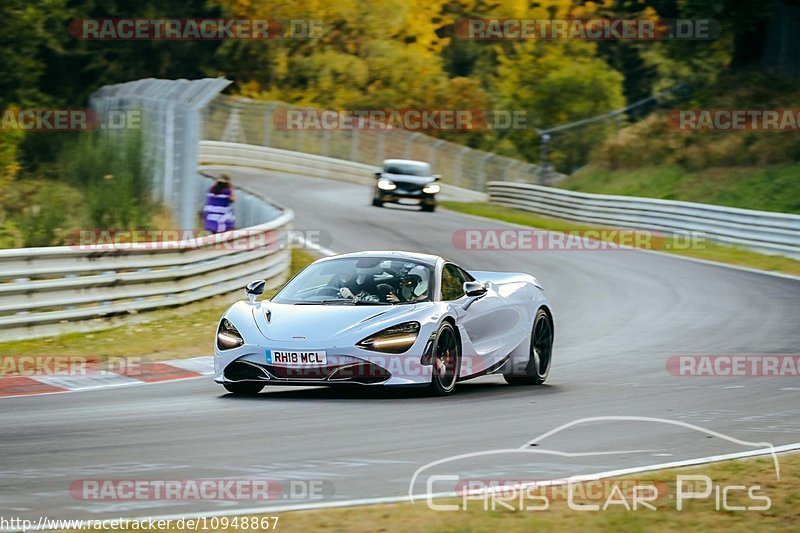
[[618, 314]]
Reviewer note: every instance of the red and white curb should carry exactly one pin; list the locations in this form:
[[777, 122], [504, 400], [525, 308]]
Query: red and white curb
[[144, 373]]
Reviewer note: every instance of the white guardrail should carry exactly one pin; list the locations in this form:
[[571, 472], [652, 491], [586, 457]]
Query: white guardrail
[[318, 166], [762, 231], [52, 290], [772, 233]]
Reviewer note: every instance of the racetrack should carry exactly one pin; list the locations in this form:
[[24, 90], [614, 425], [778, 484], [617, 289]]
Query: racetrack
[[618, 316]]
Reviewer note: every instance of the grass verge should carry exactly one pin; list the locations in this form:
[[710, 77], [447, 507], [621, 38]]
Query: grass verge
[[767, 188], [708, 250], [783, 513], [186, 331], [700, 514]]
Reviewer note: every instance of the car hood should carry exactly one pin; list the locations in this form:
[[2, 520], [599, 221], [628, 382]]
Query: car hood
[[289, 322], [404, 178]]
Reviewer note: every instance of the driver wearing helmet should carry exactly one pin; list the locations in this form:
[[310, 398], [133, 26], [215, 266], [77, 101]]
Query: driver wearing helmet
[[362, 287], [413, 286]]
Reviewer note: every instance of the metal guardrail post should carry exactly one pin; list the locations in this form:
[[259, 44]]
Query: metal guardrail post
[[481, 185], [267, 126], [433, 151], [381, 155], [326, 139], [298, 143], [544, 153], [168, 156], [409, 141], [458, 166], [354, 140]]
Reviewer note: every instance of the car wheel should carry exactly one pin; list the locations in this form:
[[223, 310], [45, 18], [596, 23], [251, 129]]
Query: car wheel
[[244, 388], [541, 352], [376, 202], [429, 208], [446, 360]]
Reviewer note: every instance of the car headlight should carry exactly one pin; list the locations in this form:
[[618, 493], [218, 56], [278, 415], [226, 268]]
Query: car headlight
[[431, 189], [396, 339], [386, 185], [228, 337]]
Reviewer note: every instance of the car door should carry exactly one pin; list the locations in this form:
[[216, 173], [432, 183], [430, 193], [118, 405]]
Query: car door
[[482, 321]]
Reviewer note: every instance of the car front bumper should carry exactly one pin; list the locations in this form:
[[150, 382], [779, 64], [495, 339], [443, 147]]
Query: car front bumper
[[343, 366], [399, 197]]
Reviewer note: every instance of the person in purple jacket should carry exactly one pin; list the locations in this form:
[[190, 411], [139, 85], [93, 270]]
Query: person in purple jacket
[[218, 210]]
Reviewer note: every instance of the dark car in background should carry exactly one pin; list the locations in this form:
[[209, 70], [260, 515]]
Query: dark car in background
[[407, 182]]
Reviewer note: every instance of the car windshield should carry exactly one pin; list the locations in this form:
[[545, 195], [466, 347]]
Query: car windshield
[[408, 169], [359, 281]]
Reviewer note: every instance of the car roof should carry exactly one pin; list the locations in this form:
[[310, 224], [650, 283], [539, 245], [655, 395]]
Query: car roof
[[390, 254], [405, 162]]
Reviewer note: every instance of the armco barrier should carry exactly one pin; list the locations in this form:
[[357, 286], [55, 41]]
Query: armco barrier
[[47, 291], [762, 231], [278, 160]]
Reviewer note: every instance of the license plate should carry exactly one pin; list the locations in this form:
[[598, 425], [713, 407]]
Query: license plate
[[298, 358]]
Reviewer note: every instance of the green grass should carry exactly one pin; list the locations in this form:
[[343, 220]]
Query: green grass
[[186, 331], [768, 188], [709, 251]]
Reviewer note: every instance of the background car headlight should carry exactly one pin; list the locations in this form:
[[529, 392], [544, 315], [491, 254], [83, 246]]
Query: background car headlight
[[228, 337], [431, 189], [396, 339], [386, 185]]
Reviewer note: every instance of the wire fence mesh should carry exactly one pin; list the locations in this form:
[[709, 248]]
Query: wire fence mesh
[[170, 119], [243, 120]]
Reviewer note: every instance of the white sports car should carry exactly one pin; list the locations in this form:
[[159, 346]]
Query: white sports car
[[386, 318]]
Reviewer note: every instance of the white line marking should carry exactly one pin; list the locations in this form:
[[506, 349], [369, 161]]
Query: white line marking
[[201, 365], [92, 389], [95, 380], [407, 498]]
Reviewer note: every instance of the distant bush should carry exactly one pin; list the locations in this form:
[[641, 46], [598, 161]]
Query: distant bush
[[653, 142], [109, 168], [98, 182], [51, 211]]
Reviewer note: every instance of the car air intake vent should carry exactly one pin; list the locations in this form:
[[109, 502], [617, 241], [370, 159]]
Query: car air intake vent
[[241, 371], [407, 186]]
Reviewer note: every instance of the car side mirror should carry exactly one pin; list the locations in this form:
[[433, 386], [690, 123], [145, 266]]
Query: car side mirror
[[255, 289], [474, 289], [437, 177], [378, 173]]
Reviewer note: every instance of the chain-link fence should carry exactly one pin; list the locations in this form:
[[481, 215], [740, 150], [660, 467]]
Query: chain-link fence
[[170, 119], [249, 121], [569, 146]]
